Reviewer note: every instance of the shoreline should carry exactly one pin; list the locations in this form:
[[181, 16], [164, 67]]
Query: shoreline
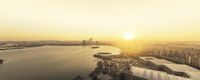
[[24, 47]]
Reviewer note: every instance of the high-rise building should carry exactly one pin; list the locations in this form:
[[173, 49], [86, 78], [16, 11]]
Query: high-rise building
[[90, 41]]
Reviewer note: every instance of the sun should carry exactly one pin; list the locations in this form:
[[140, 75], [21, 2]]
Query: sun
[[128, 36]]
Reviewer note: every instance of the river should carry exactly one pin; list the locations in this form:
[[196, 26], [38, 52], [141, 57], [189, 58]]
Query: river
[[49, 62]]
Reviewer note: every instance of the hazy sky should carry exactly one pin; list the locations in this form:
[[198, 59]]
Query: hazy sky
[[101, 19]]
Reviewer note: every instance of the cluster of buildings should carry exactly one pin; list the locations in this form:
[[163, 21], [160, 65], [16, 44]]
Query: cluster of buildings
[[156, 69], [153, 69], [90, 41], [5, 45], [186, 53]]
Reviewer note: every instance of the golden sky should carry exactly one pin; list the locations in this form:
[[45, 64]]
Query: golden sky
[[159, 20]]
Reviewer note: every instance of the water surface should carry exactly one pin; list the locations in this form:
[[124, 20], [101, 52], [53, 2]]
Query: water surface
[[49, 62]]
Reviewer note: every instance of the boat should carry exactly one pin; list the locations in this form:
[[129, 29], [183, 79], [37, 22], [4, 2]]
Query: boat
[[3, 48], [1, 61], [94, 47]]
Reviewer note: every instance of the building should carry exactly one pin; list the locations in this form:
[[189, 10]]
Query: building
[[105, 55], [171, 68], [180, 52], [145, 60], [182, 70], [147, 74], [155, 63], [90, 41]]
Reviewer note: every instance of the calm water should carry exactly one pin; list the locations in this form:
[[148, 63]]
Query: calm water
[[49, 62]]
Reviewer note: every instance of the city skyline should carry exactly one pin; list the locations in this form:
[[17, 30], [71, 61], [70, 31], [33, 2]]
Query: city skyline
[[156, 20]]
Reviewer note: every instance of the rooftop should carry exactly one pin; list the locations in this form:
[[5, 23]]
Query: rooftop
[[156, 60], [148, 58], [161, 62], [181, 68], [193, 73], [154, 75]]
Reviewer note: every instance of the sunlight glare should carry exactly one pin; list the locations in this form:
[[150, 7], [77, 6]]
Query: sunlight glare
[[128, 36]]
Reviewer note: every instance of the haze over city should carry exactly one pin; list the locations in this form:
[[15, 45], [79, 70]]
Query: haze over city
[[99, 39], [148, 20]]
